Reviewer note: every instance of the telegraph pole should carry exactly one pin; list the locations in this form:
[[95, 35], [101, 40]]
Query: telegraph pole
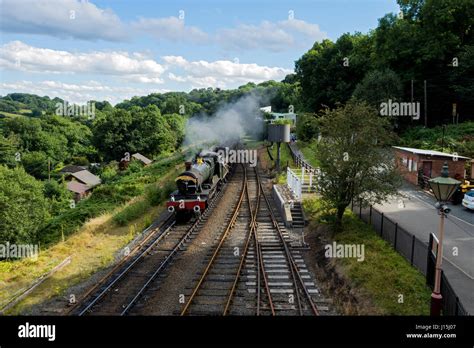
[[411, 118], [426, 108]]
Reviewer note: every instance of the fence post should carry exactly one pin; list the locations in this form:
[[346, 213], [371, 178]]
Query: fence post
[[395, 240], [370, 214], [430, 262], [360, 209], [413, 249], [381, 225]]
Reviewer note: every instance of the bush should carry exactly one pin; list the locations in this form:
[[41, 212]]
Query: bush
[[23, 208], [131, 212], [109, 172], [80, 161], [157, 194]]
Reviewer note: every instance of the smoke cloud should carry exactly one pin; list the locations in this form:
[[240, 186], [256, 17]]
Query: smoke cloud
[[231, 122]]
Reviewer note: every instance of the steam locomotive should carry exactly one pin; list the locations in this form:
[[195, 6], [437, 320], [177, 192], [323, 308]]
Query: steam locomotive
[[200, 181]]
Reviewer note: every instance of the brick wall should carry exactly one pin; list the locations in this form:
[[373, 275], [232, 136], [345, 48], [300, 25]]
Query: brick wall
[[403, 161], [456, 168]]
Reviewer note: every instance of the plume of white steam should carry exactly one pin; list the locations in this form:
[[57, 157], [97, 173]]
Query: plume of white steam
[[231, 122]]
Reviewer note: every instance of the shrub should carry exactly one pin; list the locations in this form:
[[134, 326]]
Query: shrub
[[131, 212]]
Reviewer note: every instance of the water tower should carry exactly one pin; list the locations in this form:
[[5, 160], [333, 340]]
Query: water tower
[[278, 133]]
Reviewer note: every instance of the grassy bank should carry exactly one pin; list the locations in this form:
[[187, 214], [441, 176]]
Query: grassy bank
[[285, 157], [309, 152], [94, 244], [118, 188], [390, 282]]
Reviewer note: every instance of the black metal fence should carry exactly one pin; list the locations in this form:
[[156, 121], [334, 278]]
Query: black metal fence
[[416, 252], [451, 303]]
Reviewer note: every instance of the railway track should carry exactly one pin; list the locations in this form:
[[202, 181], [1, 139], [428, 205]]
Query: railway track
[[252, 270], [249, 269], [209, 295], [121, 289]]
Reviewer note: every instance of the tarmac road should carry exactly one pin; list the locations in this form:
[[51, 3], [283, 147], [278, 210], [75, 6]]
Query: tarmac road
[[414, 210]]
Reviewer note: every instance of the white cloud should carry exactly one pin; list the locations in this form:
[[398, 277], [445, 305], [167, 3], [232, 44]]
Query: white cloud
[[176, 78], [222, 73], [278, 36], [171, 28], [77, 93], [17, 55], [62, 18]]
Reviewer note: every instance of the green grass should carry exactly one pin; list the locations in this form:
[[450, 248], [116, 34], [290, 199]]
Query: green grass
[[384, 274], [285, 156], [115, 192], [9, 114], [154, 195], [131, 212], [309, 152], [25, 111]]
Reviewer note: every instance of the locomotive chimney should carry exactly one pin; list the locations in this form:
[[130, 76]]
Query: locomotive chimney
[[187, 165]]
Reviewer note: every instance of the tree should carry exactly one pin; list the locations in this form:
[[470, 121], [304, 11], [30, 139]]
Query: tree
[[307, 126], [147, 131], [112, 134], [23, 208], [59, 197], [8, 150], [355, 161], [177, 124], [36, 164], [36, 113], [329, 71], [379, 86], [462, 80]]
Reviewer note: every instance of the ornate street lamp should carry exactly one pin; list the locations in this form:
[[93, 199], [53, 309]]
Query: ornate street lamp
[[443, 188]]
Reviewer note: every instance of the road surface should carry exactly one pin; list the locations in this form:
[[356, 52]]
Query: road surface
[[414, 210]]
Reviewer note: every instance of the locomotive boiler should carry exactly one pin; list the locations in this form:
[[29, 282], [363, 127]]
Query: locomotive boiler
[[202, 178]]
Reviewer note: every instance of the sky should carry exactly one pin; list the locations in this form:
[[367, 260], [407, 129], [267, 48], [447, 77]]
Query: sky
[[82, 50]]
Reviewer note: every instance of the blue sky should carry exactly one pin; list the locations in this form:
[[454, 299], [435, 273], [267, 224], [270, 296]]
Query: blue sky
[[114, 49]]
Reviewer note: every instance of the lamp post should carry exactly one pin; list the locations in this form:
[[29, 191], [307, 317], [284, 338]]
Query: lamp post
[[443, 188]]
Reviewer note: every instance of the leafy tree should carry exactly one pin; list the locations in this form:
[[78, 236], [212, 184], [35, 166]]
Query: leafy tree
[[36, 164], [8, 150], [59, 197], [8, 106], [50, 136], [423, 45], [462, 80], [77, 136], [329, 71], [306, 126], [102, 105], [355, 162], [147, 132], [36, 113], [112, 134], [23, 208], [378, 86], [177, 125], [31, 101]]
